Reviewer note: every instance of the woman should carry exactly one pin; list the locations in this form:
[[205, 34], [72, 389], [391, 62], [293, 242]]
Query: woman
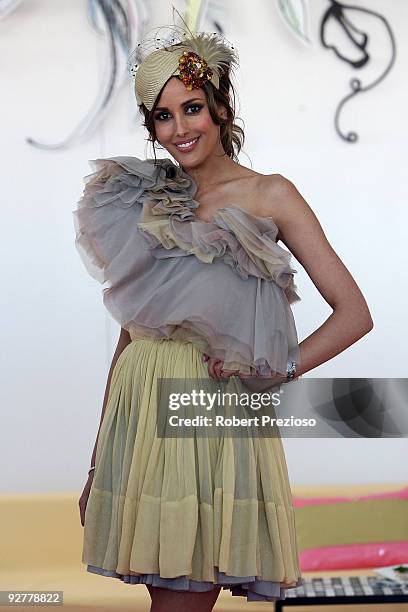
[[201, 289]]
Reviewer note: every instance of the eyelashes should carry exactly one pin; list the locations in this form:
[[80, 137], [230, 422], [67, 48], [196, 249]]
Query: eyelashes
[[158, 117]]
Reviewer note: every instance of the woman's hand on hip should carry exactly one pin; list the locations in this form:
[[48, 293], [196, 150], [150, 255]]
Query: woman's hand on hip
[[215, 368]]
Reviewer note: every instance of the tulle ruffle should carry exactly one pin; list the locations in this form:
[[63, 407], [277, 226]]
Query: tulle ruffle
[[245, 586], [250, 353], [244, 241], [137, 234]]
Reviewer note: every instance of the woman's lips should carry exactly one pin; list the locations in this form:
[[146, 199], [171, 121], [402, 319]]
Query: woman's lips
[[186, 149]]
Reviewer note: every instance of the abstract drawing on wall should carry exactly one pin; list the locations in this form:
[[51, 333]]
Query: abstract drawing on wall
[[341, 15], [121, 23], [295, 14]]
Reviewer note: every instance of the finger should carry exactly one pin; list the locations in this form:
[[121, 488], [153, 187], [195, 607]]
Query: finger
[[230, 372], [212, 365], [218, 369]]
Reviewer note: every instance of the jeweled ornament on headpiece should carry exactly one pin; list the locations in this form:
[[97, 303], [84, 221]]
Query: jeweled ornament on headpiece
[[176, 51], [194, 71]]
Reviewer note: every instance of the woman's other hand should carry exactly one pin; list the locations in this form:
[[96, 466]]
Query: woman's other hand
[[215, 368], [253, 383], [83, 500]]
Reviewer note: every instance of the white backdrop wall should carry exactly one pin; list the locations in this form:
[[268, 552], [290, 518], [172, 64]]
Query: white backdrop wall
[[58, 340]]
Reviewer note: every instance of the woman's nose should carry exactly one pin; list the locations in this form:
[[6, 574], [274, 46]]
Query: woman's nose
[[181, 126]]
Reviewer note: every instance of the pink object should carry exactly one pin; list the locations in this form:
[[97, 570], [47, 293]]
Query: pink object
[[353, 556], [299, 502]]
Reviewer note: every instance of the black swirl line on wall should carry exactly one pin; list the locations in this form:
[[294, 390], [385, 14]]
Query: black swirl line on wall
[[336, 12]]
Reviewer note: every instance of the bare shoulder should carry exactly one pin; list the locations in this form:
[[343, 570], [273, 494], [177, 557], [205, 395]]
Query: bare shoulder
[[277, 187], [282, 200]]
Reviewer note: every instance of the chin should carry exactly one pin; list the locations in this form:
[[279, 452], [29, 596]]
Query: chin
[[190, 161]]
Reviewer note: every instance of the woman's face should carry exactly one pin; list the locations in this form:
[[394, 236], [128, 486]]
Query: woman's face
[[182, 116]]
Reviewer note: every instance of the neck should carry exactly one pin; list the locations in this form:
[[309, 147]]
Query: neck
[[214, 169]]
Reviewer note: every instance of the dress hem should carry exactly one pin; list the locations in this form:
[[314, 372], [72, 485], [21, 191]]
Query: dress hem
[[245, 586]]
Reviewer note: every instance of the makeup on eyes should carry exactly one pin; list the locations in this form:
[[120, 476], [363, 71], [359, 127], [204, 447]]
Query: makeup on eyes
[[166, 112]]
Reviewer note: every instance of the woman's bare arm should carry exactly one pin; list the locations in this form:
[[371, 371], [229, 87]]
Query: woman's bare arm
[[301, 232], [124, 340]]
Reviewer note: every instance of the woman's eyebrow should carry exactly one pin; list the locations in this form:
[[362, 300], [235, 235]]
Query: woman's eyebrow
[[182, 104]]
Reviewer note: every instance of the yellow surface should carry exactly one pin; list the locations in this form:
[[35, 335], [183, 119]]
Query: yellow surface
[[355, 521], [41, 544]]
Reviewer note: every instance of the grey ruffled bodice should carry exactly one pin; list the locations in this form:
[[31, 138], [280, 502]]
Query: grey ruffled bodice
[[225, 286]]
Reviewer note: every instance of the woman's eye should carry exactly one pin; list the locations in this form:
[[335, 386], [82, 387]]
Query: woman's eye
[[196, 106], [159, 116], [196, 109]]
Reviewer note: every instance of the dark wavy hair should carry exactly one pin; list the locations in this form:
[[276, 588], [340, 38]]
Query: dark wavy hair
[[232, 135]]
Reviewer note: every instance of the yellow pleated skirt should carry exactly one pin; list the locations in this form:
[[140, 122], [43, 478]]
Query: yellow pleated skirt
[[185, 513]]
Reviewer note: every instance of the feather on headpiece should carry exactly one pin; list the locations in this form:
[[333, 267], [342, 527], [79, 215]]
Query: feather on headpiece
[[193, 57]]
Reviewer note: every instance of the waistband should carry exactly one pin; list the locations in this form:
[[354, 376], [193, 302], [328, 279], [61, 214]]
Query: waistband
[[137, 335], [153, 335]]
